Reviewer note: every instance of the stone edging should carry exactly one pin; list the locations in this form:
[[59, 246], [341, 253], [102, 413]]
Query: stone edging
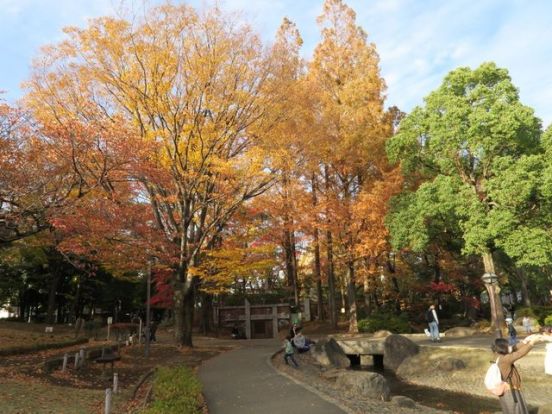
[[306, 386]]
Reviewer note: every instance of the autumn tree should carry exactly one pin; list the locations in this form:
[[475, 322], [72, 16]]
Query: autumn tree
[[345, 76], [196, 90]]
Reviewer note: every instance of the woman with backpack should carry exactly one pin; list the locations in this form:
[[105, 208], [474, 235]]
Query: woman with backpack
[[512, 401]]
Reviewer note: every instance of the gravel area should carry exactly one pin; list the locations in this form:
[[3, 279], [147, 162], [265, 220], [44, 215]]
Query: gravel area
[[322, 381]]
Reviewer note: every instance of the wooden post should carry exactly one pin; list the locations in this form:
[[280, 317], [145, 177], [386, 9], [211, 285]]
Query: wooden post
[[76, 360], [108, 396], [81, 357], [275, 321], [115, 383], [65, 359], [247, 319]]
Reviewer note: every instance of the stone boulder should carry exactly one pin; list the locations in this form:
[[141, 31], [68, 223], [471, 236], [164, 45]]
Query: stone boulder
[[402, 401], [460, 331], [382, 333], [396, 349], [450, 364], [366, 384], [328, 353]]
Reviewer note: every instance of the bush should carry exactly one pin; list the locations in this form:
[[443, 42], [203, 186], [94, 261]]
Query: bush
[[521, 312], [175, 390], [387, 321], [548, 320]]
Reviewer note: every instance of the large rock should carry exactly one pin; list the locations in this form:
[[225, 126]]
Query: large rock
[[460, 331], [382, 333], [367, 384], [402, 401], [328, 353], [396, 349]]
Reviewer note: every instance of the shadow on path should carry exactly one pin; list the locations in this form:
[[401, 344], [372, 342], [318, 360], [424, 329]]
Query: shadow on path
[[242, 381]]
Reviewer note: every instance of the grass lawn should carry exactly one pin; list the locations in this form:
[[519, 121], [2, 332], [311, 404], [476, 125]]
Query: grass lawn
[[26, 388], [20, 334], [31, 397]]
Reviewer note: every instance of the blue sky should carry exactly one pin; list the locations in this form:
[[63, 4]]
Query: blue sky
[[419, 41]]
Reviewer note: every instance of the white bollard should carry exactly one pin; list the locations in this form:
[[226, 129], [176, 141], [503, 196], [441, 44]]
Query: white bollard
[[65, 359], [115, 383], [107, 401], [76, 360]]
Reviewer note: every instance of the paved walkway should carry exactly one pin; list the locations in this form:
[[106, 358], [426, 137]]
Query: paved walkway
[[242, 381]]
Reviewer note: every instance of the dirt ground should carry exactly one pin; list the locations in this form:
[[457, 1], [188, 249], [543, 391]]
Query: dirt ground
[[29, 389]]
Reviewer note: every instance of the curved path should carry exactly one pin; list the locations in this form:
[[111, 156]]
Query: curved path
[[242, 381]]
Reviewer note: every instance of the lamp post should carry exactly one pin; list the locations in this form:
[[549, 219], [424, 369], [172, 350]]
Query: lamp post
[[491, 281]]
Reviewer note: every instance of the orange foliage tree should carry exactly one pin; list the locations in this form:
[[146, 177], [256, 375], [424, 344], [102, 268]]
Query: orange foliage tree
[[197, 91]]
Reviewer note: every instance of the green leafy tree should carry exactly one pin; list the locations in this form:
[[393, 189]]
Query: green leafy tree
[[474, 159]]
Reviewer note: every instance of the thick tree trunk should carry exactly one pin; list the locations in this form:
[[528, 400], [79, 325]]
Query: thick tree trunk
[[351, 296], [179, 313], [497, 313], [188, 317], [184, 301]]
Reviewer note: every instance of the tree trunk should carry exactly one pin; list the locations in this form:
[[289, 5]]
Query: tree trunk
[[318, 275], [184, 301], [497, 314], [317, 265], [524, 287], [52, 296], [206, 313], [351, 296], [179, 312], [188, 317], [291, 270], [329, 254], [331, 280]]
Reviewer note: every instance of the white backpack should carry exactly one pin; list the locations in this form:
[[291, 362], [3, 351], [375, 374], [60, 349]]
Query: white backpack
[[493, 380]]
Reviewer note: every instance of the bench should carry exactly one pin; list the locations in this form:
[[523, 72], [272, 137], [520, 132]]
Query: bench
[[107, 357]]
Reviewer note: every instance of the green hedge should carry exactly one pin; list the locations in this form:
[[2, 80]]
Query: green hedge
[[175, 391], [26, 349], [387, 321]]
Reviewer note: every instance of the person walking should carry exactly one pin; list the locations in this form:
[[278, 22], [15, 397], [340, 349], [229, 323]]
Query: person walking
[[433, 322], [512, 401], [527, 325], [512, 333]]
